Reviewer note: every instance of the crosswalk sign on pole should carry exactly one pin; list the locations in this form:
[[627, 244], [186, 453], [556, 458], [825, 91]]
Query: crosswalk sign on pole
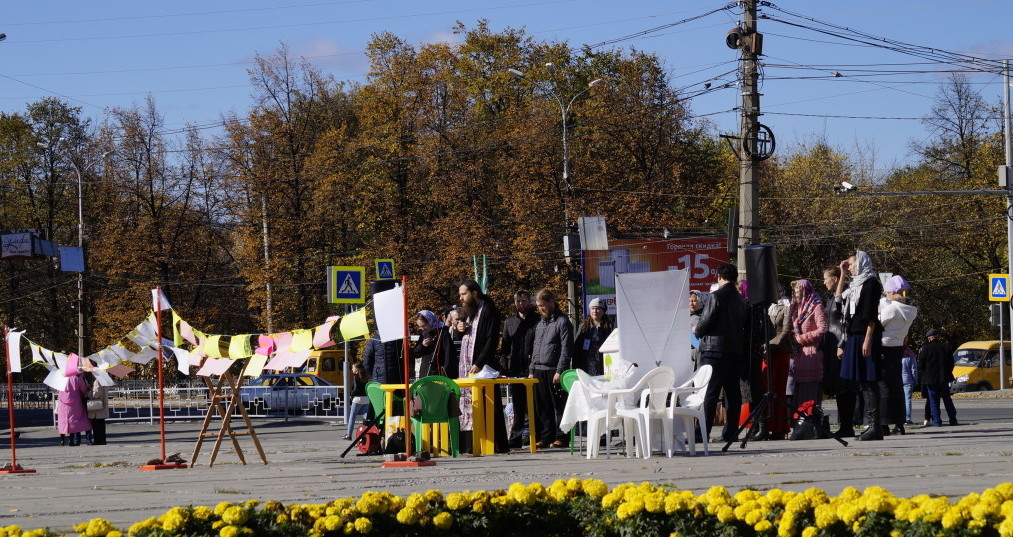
[[385, 269], [345, 285], [998, 287]]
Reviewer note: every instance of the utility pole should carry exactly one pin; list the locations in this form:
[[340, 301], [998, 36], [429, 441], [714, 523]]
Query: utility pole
[[1009, 202], [752, 146]]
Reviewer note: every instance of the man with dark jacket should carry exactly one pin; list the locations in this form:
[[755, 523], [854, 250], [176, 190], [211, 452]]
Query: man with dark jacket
[[383, 361], [550, 353], [935, 372], [517, 331], [721, 331]]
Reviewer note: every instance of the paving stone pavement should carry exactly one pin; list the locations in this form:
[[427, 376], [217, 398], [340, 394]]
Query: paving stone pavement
[[75, 484]]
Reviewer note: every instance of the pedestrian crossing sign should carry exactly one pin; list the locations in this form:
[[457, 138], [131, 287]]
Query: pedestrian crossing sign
[[345, 285], [998, 287], [385, 269]]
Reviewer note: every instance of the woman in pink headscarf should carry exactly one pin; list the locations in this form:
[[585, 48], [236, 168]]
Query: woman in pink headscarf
[[809, 324], [71, 412]]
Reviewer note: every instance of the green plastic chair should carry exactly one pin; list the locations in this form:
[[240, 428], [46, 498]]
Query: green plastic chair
[[377, 400], [566, 380], [433, 394]]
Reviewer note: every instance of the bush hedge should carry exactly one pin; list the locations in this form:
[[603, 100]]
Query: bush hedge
[[587, 507]]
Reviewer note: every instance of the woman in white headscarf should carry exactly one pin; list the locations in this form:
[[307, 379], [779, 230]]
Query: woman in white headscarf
[[861, 359]]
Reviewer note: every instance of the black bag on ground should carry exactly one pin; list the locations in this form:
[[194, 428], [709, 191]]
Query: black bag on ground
[[395, 443]]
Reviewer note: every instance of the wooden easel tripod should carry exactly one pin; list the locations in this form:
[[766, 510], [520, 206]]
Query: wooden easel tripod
[[232, 401]]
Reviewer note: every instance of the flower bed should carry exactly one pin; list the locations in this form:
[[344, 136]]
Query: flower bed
[[588, 507]]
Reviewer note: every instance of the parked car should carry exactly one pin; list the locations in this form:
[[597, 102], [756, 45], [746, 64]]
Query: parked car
[[290, 392], [976, 366]]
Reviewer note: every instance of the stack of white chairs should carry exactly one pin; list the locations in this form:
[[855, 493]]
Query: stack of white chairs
[[621, 410]]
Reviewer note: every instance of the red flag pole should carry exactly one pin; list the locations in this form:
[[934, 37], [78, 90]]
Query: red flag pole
[[14, 469], [157, 303], [407, 369], [161, 386]]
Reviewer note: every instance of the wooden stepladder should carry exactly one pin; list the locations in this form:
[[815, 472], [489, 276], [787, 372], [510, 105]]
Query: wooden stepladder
[[232, 401]]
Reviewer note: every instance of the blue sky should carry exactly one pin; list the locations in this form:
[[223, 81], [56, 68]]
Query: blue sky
[[192, 56]]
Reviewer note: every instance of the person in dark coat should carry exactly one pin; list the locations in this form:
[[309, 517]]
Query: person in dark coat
[[383, 361], [550, 354], [594, 329], [424, 350], [723, 342], [448, 345], [518, 330], [480, 327], [862, 357], [935, 372], [845, 391]]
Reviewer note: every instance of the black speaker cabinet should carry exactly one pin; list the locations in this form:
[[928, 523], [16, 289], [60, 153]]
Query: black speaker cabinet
[[761, 273], [379, 286]]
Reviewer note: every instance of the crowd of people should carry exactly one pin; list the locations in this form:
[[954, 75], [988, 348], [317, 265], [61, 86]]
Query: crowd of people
[[536, 341], [775, 361]]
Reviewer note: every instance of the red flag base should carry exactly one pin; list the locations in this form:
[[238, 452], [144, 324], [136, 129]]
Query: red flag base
[[163, 466], [19, 471], [407, 464]]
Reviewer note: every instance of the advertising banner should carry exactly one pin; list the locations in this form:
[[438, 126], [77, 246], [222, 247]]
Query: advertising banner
[[699, 256]]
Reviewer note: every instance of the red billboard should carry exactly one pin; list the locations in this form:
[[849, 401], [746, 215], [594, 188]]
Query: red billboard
[[700, 256]]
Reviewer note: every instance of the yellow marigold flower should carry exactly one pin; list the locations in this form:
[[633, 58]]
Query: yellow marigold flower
[[97, 527], [434, 496], [480, 507], [763, 525], [281, 519], [363, 525], [725, 514], [774, 496], [273, 506], [753, 517], [809, 531], [77, 527], [217, 524], [848, 512], [594, 488], [895, 533], [235, 516], [654, 503], [114, 533], [417, 502], [849, 494], [173, 522], [1006, 528], [349, 528], [229, 531], [443, 520], [408, 516], [142, 525], [329, 523], [220, 508], [456, 501], [202, 512], [34, 533]]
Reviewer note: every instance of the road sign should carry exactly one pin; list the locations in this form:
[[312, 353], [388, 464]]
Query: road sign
[[345, 285], [998, 287], [385, 269]]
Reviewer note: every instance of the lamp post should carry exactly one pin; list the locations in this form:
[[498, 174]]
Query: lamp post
[[567, 188], [80, 244]]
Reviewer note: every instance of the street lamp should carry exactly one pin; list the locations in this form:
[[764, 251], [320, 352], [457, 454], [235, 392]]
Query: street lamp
[[564, 111], [80, 244]]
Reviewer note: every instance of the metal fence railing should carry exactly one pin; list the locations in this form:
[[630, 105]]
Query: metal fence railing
[[138, 401]]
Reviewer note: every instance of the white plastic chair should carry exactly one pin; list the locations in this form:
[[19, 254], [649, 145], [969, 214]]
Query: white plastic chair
[[687, 404], [601, 418], [654, 388]]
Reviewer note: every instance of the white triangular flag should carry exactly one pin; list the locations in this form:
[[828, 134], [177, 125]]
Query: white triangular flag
[[158, 300], [14, 350]]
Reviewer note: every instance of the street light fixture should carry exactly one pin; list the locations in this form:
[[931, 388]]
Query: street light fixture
[[564, 111]]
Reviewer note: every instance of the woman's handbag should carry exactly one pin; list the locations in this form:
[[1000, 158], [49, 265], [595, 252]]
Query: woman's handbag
[[94, 404]]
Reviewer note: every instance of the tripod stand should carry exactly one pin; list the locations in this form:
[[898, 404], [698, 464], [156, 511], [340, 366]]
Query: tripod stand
[[761, 410]]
